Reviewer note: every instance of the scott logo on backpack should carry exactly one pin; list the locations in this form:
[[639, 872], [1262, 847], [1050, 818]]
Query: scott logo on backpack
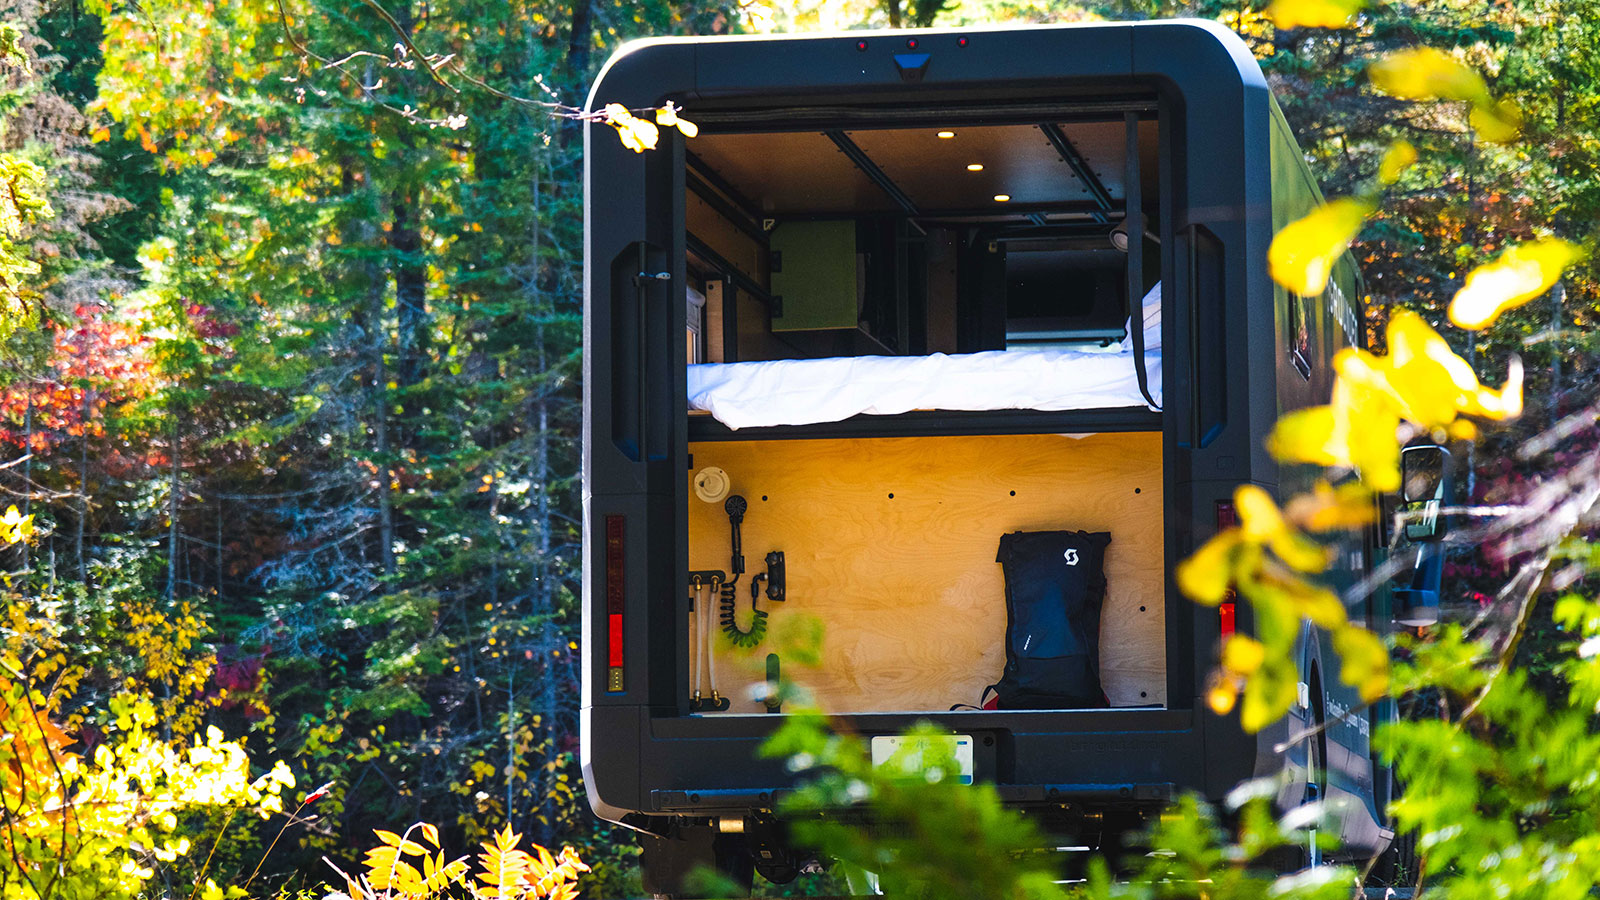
[[1071, 556]]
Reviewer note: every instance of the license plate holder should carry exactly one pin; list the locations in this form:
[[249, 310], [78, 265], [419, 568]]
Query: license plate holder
[[958, 746]]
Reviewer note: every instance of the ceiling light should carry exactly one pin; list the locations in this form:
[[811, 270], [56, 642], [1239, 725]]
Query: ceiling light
[[974, 167], [947, 134], [1001, 198]]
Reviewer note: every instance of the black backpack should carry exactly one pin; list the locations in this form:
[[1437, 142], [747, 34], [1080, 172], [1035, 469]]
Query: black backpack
[[1055, 583]]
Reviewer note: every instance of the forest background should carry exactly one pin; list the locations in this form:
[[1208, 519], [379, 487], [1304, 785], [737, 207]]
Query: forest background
[[290, 353]]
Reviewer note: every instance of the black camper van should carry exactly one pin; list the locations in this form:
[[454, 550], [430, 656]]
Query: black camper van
[[910, 303]]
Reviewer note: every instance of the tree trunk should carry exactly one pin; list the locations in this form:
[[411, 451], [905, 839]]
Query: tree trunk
[[173, 488], [580, 42], [380, 427], [410, 287], [369, 322], [1558, 298], [83, 485]]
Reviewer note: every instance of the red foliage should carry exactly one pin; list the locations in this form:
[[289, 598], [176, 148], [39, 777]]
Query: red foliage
[[239, 680], [96, 363]]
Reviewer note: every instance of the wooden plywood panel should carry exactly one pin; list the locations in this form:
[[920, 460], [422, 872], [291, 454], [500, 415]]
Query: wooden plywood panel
[[907, 585], [724, 237], [789, 172], [716, 322]]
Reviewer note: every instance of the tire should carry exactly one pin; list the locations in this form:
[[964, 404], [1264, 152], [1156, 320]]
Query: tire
[[1293, 858], [1400, 865]]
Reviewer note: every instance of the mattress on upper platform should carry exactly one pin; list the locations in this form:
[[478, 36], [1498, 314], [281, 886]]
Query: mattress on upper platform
[[807, 391]]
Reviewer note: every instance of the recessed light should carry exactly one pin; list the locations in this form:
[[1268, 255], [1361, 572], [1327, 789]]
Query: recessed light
[[1001, 198], [974, 167], [947, 134]]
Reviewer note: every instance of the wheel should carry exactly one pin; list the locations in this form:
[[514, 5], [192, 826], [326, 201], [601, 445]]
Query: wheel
[[1316, 778], [1306, 854], [1400, 865]]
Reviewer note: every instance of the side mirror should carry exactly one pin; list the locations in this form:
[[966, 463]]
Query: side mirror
[[1424, 480], [1426, 489]]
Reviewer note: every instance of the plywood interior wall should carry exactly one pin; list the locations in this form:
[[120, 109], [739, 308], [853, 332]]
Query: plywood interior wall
[[891, 542]]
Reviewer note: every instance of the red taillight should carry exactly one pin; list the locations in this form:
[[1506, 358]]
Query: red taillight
[[616, 593], [1227, 517]]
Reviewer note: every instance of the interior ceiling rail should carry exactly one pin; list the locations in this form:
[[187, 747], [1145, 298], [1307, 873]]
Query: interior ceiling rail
[[1009, 212], [870, 168], [798, 116], [1080, 167]]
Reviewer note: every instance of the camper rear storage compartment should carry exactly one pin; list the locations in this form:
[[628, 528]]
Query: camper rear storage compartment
[[891, 544]]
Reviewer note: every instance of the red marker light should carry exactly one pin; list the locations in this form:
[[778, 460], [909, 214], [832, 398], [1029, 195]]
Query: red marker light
[[616, 600], [961, 42], [1227, 517], [861, 45], [911, 43]]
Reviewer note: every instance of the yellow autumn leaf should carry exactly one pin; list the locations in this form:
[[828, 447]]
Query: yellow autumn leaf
[[15, 527], [667, 117], [1221, 694], [1489, 403], [1308, 436], [1204, 577], [408, 847], [1243, 655], [1427, 73], [1310, 601], [1497, 122], [1268, 695], [101, 134], [1258, 515], [1302, 255], [1399, 157], [429, 832], [1522, 273], [1433, 384], [1367, 430], [1327, 508], [1313, 13], [1299, 552], [1262, 523], [637, 134], [1364, 663]]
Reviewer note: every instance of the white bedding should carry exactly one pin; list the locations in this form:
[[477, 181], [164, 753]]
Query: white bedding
[[806, 391]]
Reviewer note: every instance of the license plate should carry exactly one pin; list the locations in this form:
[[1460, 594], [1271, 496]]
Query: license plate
[[958, 746]]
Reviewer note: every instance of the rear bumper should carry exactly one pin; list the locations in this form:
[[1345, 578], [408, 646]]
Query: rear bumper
[[634, 762]]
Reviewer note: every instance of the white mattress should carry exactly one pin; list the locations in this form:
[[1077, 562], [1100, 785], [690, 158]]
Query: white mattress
[[806, 391]]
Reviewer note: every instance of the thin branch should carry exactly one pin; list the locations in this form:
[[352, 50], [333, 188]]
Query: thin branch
[[1503, 660], [405, 38]]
